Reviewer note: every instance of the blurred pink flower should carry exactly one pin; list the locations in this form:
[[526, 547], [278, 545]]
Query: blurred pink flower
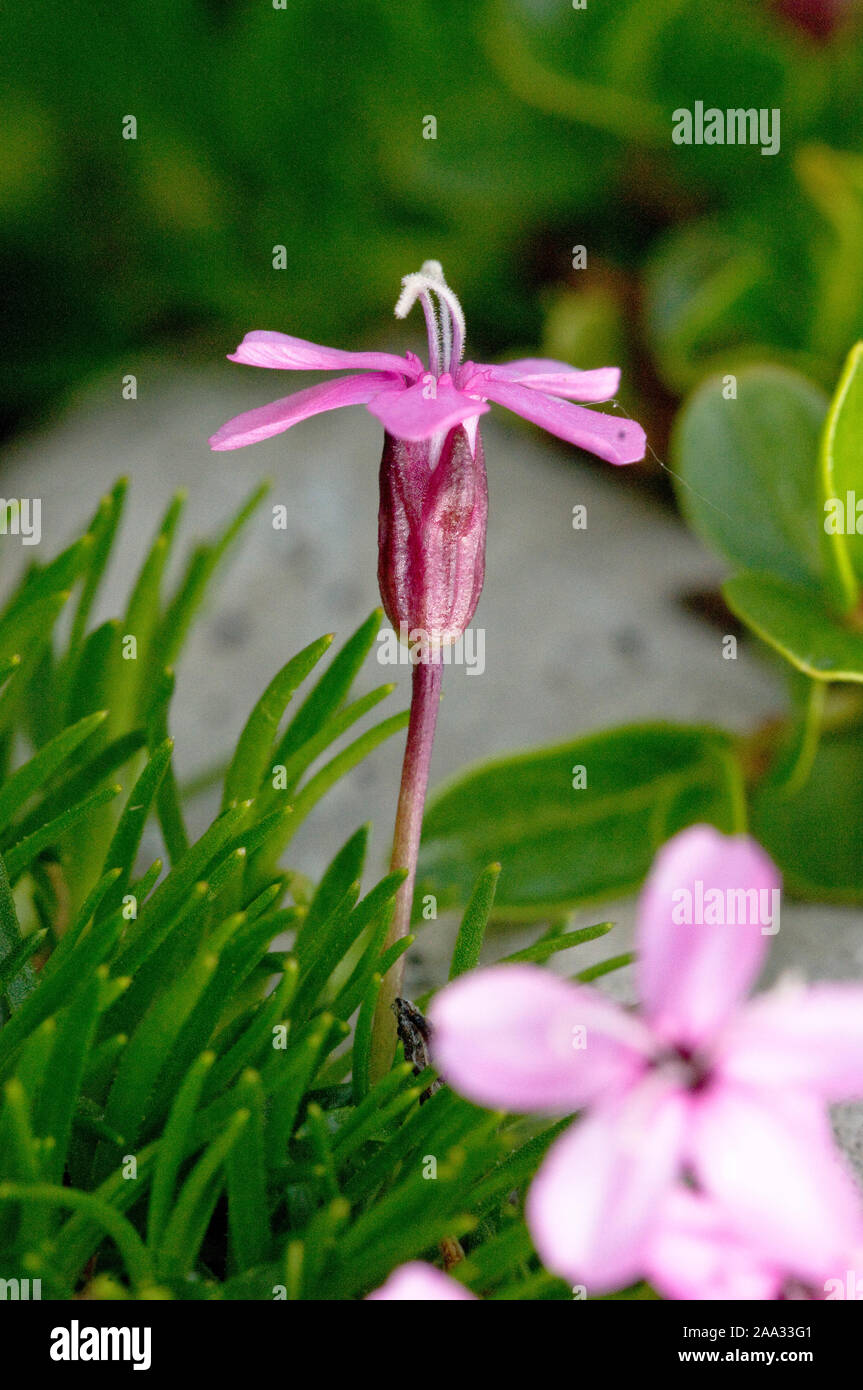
[[415, 403], [698, 1088], [420, 1283], [693, 1254]]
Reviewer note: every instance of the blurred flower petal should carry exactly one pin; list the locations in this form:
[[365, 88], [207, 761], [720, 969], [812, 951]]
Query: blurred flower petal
[[520, 1038], [418, 1282], [799, 1037], [694, 1255], [769, 1160], [692, 975], [594, 1202]]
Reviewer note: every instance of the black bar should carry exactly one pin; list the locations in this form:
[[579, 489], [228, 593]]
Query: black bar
[[254, 1338]]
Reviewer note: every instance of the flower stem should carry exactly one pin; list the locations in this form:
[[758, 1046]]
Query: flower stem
[[425, 698]]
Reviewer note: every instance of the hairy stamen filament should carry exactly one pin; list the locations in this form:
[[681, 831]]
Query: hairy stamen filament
[[446, 328]]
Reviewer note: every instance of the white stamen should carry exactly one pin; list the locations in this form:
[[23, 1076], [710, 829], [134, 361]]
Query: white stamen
[[446, 333], [449, 329], [413, 286], [455, 331]]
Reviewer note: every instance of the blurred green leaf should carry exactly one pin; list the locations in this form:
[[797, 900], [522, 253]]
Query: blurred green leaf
[[799, 625], [194, 586], [247, 1179], [549, 946], [842, 482], [24, 634], [187, 1224], [560, 845], [748, 482], [833, 179], [330, 692], [18, 978], [345, 870], [251, 760], [471, 932], [59, 989], [699, 284], [168, 803], [126, 839], [27, 779], [11, 964], [103, 529], [172, 1146], [58, 1097], [21, 853], [813, 834]]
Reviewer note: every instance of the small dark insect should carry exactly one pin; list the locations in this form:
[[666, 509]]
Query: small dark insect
[[415, 1035]]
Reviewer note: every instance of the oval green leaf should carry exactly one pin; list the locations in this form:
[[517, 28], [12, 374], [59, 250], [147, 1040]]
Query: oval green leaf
[[748, 471], [561, 845]]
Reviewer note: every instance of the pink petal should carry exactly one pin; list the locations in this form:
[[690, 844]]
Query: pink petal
[[420, 1283], [519, 1038], [429, 407], [264, 349], [768, 1159], [559, 379], [794, 1036], [610, 437], [693, 1255], [267, 420], [693, 974], [592, 1206]]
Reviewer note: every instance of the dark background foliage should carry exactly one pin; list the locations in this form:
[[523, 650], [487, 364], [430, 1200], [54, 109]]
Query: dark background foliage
[[302, 127]]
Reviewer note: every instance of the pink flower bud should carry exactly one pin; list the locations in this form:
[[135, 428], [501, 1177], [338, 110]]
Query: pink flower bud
[[431, 535]]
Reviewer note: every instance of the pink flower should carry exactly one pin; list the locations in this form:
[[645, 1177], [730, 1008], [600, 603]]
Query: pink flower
[[420, 1283], [698, 1088], [433, 491], [414, 403], [694, 1254]]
